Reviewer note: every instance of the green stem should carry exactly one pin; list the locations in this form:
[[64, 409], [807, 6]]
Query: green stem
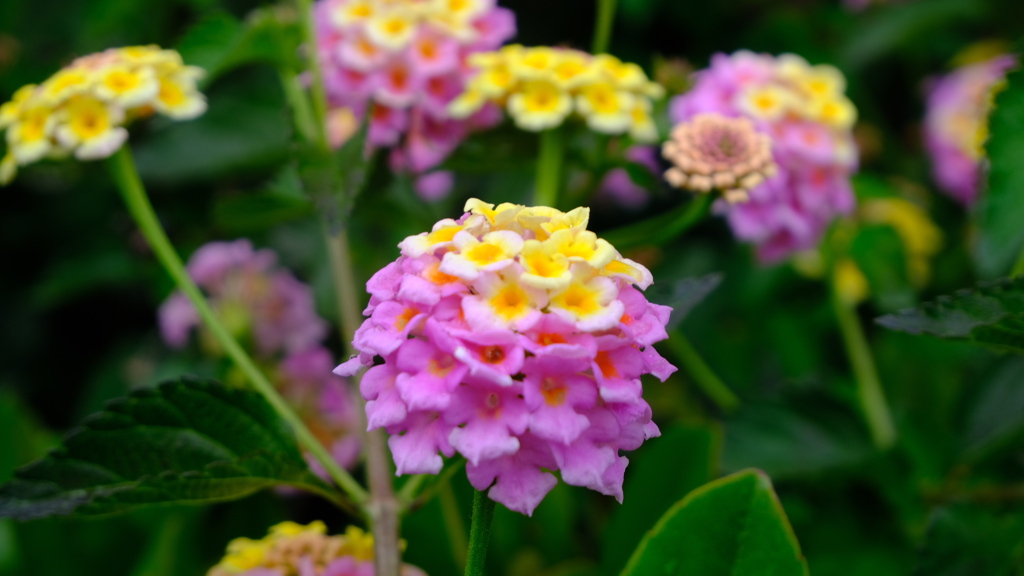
[[345, 286], [1018, 268], [549, 167], [479, 533], [453, 524], [302, 114], [662, 228], [603, 26], [701, 373], [869, 388], [123, 170], [317, 92]]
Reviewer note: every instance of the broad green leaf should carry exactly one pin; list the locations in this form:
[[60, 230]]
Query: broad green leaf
[[1000, 233], [994, 419], [659, 474], [965, 540], [734, 526], [184, 442], [805, 435], [683, 295], [221, 42], [992, 313]]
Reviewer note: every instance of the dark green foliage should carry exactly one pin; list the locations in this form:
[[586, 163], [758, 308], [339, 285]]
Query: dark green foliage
[[963, 541], [1001, 235], [992, 314], [734, 526], [189, 441]]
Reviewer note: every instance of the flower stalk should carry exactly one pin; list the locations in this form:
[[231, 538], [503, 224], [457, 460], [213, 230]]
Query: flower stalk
[[663, 227], [603, 26], [701, 373], [479, 533], [549, 167], [126, 176], [1018, 268], [869, 389]]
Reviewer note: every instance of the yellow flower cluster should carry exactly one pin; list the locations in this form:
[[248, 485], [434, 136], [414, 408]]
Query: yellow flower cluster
[[82, 109], [541, 86], [288, 544], [797, 89], [921, 240]]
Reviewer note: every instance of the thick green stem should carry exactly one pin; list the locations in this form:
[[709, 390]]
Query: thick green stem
[[345, 286], [479, 533], [549, 168], [701, 373], [1018, 268], [603, 26], [122, 168], [869, 388], [662, 228], [317, 92]]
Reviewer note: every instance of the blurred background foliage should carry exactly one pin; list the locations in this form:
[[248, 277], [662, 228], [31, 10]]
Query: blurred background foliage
[[80, 291]]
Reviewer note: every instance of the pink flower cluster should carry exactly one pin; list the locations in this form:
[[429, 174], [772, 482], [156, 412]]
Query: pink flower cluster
[[804, 111], [516, 338], [956, 125], [406, 60], [273, 314]]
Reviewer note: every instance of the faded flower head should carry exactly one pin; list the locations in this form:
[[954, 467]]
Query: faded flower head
[[804, 111], [291, 549], [540, 87], [515, 337], [402, 62], [273, 314], [711, 151], [956, 124], [83, 108]]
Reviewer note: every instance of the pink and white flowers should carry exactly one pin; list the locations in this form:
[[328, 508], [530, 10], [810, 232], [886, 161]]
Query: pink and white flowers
[[956, 124], [804, 111], [403, 62], [516, 338]]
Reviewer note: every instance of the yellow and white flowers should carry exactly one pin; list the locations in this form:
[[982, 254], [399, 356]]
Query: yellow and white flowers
[[82, 109], [540, 87]]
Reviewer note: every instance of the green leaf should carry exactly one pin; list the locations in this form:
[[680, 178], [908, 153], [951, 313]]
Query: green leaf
[[258, 211], [184, 442], [221, 43], [966, 540], [1000, 233], [734, 526], [683, 295], [993, 420], [992, 313], [660, 473], [807, 434]]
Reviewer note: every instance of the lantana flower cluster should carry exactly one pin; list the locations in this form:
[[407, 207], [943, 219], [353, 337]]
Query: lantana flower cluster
[[516, 338], [804, 111], [403, 62], [540, 87], [956, 125], [83, 108], [713, 152], [291, 549], [273, 314]]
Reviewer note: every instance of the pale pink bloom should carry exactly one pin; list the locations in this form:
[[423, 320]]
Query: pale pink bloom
[[711, 151]]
